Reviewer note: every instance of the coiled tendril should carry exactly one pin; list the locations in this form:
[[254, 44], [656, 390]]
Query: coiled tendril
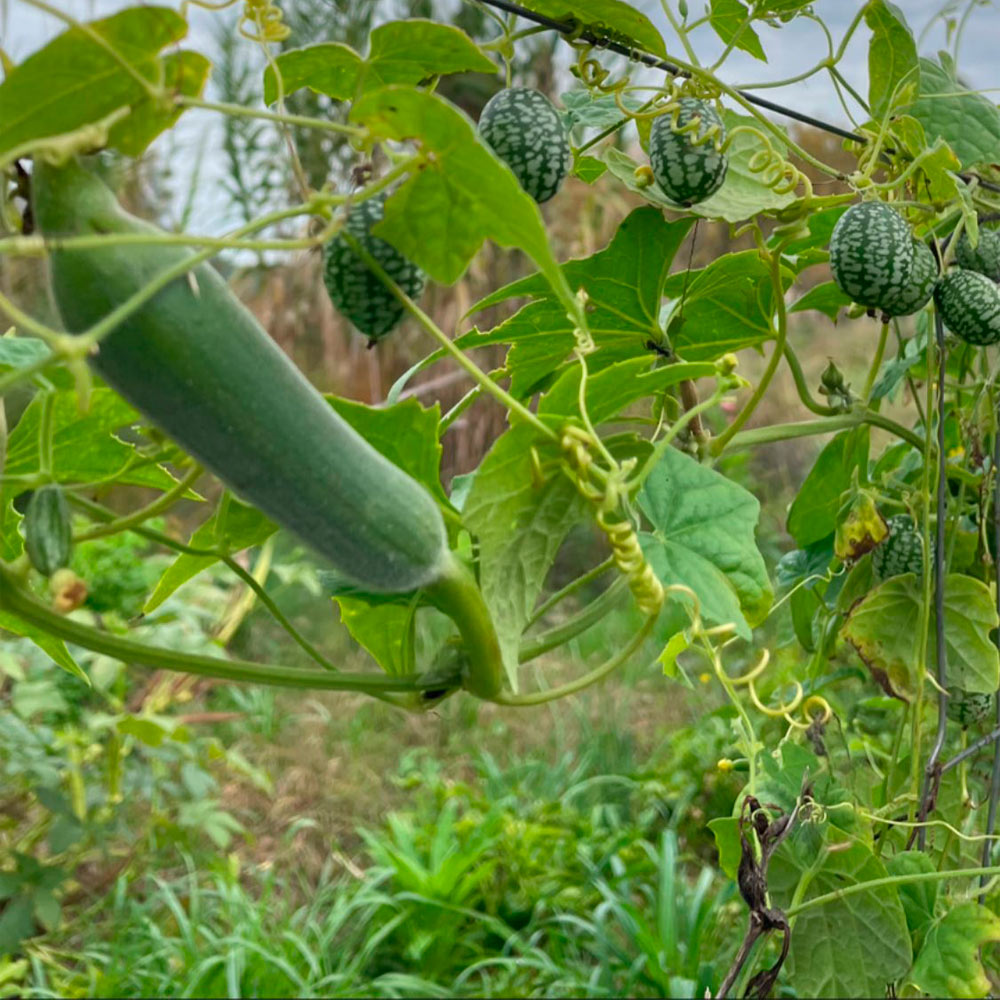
[[607, 496]]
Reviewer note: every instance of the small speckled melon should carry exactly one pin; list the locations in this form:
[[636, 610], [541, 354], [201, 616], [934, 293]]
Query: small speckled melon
[[355, 290], [917, 291], [984, 258], [524, 129], [902, 550], [970, 306], [968, 708], [872, 254], [687, 171]]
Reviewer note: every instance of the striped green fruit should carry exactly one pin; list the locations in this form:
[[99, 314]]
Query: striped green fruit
[[984, 258], [902, 550], [876, 260], [354, 289], [969, 304], [917, 292], [968, 708], [688, 171], [524, 129], [48, 533]]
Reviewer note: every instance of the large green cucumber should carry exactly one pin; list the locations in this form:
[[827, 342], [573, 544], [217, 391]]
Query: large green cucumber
[[197, 363]]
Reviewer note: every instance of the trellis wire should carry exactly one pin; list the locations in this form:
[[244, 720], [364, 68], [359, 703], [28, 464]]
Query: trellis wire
[[655, 62]]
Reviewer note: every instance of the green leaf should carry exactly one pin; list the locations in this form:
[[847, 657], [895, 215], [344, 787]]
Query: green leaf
[[726, 831], [520, 527], [21, 352], [407, 52], [731, 21], [54, 648], [401, 52], [385, 630], [726, 306], [624, 284], [589, 169], [439, 217], [826, 298], [614, 388], [892, 55], [84, 448], [813, 513], [11, 539], [918, 898], [598, 111], [849, 947], [884, 629], [184, 73], [744, 193], [232, 528], [75, 80], [328, 68], [405, 433], [968, 122], [17, 922], [611, 19], [948, 964], [703, 538]]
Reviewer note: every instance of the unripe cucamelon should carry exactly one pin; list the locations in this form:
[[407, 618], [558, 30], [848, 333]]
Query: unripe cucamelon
[[968, 708], [688, 166], [524, 129], [984, 257], [902, 551], [48, 534], [354, 289], [969, 304], [877, 261]]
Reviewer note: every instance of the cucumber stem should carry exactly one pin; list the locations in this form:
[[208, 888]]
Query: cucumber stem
[[457, 594], [33, 612]]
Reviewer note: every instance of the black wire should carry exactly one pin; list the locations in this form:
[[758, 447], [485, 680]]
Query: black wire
[[932, 772], [991, 815], [654, 62]]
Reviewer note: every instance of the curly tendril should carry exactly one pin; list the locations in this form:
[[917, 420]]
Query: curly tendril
[[773, 170], [608, 497], [264, 18]]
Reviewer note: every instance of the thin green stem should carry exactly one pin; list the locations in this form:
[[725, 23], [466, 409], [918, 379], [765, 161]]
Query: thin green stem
[[33, 612], [239, 111], [781, 335], [161, 504], [102, 513], [579, 623], [680, 31], [660, 448], [714, 68], [876, 364], [588, 679], [571, 588], [848, 34], [88, 339], [478, 375], [890, 880], [45, 434], [798, 376]]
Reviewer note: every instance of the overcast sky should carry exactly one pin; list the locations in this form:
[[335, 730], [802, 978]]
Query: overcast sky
[[791, 49]]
